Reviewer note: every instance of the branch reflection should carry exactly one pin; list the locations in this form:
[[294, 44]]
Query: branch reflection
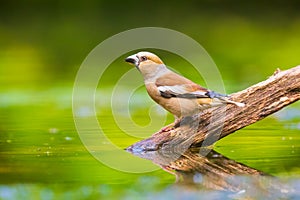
[[213, 171]]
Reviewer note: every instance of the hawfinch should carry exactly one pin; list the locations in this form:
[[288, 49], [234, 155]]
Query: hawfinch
[[177, 94]]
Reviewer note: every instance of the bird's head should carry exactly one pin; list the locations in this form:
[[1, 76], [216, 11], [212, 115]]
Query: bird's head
[[147, 63]]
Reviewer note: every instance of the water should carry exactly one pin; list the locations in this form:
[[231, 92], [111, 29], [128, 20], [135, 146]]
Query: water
[[42, 156]]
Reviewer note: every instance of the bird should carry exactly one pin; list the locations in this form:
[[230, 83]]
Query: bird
[[175, 93]]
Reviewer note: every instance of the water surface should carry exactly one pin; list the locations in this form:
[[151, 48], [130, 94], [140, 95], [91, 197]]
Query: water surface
[[42, 156]]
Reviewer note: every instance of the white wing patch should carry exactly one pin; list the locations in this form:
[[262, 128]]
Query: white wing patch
[[176, 89], [180, 91], [200, 93]]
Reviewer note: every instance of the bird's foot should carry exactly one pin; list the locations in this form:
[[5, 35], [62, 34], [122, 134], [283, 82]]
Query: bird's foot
[[172, 126], [168, 128]]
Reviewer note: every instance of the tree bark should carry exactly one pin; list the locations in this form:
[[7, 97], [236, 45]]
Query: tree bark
[[261, 100]]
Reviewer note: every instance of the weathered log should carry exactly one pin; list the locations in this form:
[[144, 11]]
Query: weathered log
[[262, 99]]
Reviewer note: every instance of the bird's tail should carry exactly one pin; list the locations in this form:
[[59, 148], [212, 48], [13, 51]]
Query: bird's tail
[[221, 98], [217, 101], [239, 104]]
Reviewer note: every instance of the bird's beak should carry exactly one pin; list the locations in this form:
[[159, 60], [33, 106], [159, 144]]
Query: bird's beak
[[133, 60]]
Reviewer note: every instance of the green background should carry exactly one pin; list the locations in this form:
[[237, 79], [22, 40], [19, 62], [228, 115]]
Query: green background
[[43, 44]]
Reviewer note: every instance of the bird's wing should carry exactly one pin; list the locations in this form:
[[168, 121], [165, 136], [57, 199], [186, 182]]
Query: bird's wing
[[174, 85], [180, 91]]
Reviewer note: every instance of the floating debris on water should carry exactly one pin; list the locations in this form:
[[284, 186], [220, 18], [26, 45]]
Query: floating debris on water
[[53, 130], [69, 138]]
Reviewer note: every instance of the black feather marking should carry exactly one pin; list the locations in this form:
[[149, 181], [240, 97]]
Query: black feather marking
[[169, 94], [212, 94], [166, 94], [191, 96]]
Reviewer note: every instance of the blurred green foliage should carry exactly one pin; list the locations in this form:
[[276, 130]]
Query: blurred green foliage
[[44, 42]]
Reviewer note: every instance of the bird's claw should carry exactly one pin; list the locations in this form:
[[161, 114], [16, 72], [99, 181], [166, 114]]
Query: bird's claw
[[168, 128], [172, 126]]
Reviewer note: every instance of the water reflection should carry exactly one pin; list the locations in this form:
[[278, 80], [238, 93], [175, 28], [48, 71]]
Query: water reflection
[[213, 171]]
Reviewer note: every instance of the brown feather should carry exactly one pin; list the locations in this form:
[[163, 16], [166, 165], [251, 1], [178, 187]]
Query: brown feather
[[155, 59], [171, 79], [204, 101]]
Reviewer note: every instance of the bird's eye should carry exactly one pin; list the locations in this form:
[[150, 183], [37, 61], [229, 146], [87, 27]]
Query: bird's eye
[[143, 58]]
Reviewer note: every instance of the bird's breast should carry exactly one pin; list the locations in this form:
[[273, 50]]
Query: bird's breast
[[153, 92]]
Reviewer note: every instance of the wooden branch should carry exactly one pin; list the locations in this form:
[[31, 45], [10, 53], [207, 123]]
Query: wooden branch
[[262, 99]]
